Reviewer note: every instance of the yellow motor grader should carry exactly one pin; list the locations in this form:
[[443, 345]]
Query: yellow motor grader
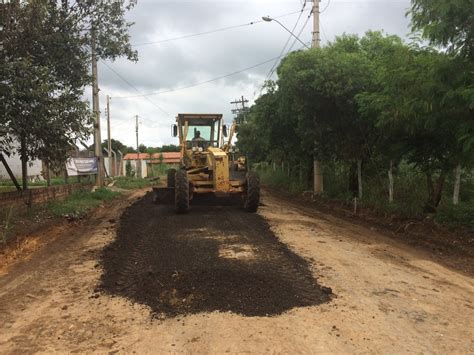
[[205, 167]]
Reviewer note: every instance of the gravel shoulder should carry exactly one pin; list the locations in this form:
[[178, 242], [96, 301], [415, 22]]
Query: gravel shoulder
[[386, 297]]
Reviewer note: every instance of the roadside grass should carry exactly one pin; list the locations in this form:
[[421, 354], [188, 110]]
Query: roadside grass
[[74, 207], [456, 215], [280, 180], [80, 202], [409, 193], [7, 185], [130, 183]]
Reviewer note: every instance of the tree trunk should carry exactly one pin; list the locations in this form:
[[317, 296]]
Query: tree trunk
[[48, 175], [457, 184], [435, 190], [353, 183], [390, 182], [24, 163], [318, 177], [10, 173], [359, 177]]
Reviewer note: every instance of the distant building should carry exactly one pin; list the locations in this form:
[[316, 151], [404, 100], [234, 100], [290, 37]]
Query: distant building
[[147, 160], [156, 158]]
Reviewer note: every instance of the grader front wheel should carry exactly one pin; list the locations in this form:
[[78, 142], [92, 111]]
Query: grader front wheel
[[252, 198], [181, 190]]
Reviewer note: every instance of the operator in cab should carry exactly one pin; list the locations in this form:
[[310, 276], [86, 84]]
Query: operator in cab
[[198, 141]]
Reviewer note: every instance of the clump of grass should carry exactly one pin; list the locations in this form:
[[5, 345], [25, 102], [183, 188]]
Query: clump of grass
[[130, 183], [456, 215], [279, 179], [79, 202]]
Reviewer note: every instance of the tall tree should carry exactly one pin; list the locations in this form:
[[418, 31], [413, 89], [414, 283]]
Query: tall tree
[[448, 23], [41, 42]]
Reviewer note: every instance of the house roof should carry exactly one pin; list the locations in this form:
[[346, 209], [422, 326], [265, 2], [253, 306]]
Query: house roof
[[133, 156], [168, 157]]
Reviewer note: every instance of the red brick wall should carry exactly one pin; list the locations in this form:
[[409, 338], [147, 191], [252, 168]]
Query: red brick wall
[[21, 200]]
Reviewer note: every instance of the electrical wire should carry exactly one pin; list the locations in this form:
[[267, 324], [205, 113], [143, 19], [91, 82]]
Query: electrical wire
[[273, 68], [281, 56], [327, 6], [209, 32], [300, 32], [133, 86], [199, 83]]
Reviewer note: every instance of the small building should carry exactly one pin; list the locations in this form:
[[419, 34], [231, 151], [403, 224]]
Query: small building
[[149, 160]]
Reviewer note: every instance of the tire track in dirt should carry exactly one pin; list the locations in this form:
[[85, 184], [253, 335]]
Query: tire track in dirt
[[212, 259]]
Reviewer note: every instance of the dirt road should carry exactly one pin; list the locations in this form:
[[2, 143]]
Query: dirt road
[[152, 281]]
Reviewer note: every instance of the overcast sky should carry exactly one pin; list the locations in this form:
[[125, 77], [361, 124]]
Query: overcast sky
[[179, 63]]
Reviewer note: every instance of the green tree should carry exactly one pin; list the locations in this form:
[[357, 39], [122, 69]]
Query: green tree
[[41, 96], [448, 23], [142, 148], [417, 103]]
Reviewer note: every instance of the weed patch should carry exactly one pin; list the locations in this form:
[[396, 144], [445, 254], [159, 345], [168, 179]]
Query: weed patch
[[130, 183], [76, 205]]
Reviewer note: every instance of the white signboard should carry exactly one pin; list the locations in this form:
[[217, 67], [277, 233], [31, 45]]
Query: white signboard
[[81, 166]]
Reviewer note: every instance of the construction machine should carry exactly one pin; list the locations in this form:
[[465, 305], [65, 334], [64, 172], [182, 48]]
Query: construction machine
[[206, 166]]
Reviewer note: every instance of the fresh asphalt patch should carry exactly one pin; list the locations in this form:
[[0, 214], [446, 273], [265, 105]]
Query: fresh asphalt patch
[[215, 258]]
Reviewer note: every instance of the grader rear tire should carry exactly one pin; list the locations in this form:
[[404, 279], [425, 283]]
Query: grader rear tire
[[181, 191], [252, 199], [170, 177]]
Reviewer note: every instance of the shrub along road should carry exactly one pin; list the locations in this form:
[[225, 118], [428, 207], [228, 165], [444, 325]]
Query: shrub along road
[[152, 281]]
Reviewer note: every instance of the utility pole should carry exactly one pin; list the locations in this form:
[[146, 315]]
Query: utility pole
[[315, 43], [315, 11], [237, 111], [96, 113], [139, 164], [109, 143]]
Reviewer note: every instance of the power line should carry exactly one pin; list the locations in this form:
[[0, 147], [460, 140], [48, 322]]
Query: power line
[[209, 32], [133, 86], [272, 69], [327, 6], [289, 50], [199, 83], [300, 32]]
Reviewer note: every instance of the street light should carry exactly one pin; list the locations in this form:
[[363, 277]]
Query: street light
[[269, 19]]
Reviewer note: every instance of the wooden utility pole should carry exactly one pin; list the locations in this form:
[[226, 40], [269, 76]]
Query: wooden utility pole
[[315, 43], [96, 113], [109, 140], [240, 111], [139, 163]]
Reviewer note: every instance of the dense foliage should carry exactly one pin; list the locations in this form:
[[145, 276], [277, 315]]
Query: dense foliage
[[45, 51], [371, 104]]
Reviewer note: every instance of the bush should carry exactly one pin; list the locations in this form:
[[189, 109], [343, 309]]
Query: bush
[[279, 179], [130, 183], [456, 215], [80, 201]]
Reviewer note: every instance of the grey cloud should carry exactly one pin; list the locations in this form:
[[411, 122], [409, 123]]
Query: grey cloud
[[178, 63]]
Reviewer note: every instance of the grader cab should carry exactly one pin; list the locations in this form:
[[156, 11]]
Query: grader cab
[[205, 167]]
